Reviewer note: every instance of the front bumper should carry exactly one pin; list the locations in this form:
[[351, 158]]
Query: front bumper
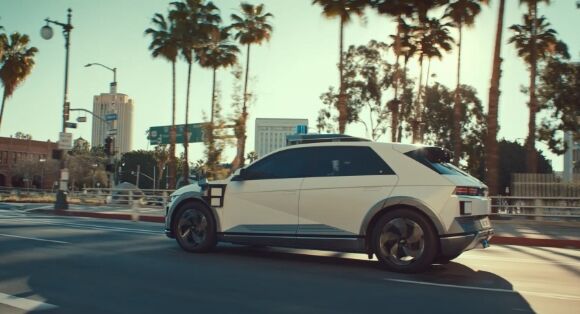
[[453, 245]]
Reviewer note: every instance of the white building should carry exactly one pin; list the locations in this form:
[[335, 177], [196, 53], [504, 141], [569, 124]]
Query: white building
[[120, 129], [271, 133]]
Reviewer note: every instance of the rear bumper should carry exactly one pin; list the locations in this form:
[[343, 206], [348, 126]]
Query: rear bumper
[[453, 245]]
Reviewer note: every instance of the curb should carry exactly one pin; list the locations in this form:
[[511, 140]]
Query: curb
[[118, 216], [500, 240], [558, 243]]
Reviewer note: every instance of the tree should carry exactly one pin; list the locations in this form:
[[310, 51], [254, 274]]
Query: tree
[[15, 65], [142, 161], [398, 10], [165, 44], [160, 155], [491, 159], [431, 37], [343, 9], [511, 155], [367, 76], [559, 96], [535, 41], [195, 27], [252, 28], [439, 107], [462, 13], [22, 136]]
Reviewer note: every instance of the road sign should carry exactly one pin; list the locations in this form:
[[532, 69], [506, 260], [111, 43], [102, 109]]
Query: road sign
[[70, 125], [64, 140], [82, 119], [110, 117], [160, 134], [112, 132]]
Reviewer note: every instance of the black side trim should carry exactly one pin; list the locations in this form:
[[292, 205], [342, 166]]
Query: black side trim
[[293, 235]]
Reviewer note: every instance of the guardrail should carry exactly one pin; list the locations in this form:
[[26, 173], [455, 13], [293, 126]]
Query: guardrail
[[538, 208]]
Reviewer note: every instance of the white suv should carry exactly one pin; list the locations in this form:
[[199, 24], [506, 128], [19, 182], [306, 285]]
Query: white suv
[[403, 203]]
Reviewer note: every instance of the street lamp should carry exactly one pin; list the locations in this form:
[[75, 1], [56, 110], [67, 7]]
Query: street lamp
[[114, 70], [47, 33], [42, 161]]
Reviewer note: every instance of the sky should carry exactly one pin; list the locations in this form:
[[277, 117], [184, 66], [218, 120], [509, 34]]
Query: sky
[[288, 73]]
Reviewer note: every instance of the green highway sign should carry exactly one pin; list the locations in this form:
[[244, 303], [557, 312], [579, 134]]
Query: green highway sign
[[160, 134]]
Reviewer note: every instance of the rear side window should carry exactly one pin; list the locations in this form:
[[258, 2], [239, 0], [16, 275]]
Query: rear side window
[[346, 161], [436, 159]]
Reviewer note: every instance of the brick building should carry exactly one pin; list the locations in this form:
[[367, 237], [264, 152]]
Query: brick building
[[34, 156]]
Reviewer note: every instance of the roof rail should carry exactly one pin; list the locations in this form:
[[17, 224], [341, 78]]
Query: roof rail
[[296, 139]]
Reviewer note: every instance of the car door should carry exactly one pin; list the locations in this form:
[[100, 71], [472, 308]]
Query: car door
[[344, 184], [265, 199]]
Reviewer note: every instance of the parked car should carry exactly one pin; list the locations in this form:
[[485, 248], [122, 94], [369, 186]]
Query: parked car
[[404, 203]]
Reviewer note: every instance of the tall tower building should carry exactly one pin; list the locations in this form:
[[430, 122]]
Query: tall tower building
[[271, 133], [122, 128]]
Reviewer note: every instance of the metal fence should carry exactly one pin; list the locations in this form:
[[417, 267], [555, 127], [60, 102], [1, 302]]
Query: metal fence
[[93, 196], [544, 185], [538, 208]]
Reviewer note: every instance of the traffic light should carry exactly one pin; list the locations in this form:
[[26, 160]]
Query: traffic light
[[109, 146]]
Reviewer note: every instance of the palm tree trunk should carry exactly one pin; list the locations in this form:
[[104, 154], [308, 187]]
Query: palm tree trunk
[[492, 125], [531, 140], [172, 164], [242, 140], [342, 116], [404, 87], [457, 106], [2, 108], [395, 107], [416, 127], [211, 162], [213, 96], [185, 172], [428, 73]]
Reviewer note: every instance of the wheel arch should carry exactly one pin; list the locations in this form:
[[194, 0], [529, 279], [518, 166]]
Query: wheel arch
[[192, 197], [389, 204]]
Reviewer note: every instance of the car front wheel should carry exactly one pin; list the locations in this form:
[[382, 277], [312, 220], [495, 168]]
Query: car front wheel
[[404, 241], [195, 229]]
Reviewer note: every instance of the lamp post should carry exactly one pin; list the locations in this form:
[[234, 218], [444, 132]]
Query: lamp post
[[114, 70], [46, 32]]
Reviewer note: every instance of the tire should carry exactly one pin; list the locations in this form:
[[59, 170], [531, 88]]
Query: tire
[[404, 241], [195, 228]]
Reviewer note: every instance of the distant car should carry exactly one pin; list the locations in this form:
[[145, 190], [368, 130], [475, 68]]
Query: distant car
[[406, 204]]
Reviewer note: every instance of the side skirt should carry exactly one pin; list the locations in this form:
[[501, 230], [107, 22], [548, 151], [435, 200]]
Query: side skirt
[[311, 242]]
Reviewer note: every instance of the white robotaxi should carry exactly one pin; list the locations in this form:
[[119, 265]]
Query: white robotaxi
[[404, 203]]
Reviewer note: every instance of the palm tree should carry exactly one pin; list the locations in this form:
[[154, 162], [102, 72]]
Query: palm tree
[[491, 145], [165, 44], [408, 50], [431, 37], [161, 156], [195, 26], [398, 10], [221, 55], [252, 28], [462, 13], [535, 41], [16, 64], [343, 9]]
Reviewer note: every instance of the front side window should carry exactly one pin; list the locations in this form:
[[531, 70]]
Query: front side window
[[285, 164]]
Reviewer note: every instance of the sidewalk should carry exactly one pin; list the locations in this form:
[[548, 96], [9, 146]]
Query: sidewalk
[[507, 232]]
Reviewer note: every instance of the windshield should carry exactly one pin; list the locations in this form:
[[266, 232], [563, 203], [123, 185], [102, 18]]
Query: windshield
[[436, 159]]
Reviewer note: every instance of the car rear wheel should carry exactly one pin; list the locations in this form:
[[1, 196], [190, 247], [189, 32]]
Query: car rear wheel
[[404, 241], [195, 229]]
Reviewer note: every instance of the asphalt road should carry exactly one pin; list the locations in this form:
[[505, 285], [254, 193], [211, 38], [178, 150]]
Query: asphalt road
[[82, 265]]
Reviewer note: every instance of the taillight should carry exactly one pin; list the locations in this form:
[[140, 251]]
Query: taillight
[[469, 191]]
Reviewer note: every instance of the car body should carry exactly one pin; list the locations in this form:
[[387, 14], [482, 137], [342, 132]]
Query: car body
[[404, 203]]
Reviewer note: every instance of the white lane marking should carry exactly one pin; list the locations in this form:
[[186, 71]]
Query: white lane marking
[[540, 294], [25, 304], [32, 238], [87, 226]]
